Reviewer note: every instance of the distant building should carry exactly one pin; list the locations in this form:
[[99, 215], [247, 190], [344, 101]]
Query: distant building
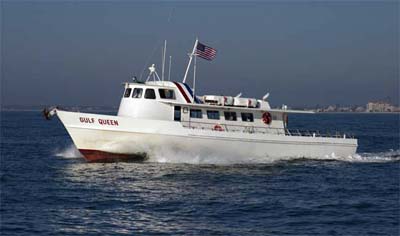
[[330, 109], [378, 106], [381, 106], [359, 109]]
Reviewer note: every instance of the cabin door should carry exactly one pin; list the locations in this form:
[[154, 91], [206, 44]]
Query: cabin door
[[177, 113]]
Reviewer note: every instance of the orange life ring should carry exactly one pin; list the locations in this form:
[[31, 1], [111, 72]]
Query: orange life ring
[[218, 127], [267, 118]]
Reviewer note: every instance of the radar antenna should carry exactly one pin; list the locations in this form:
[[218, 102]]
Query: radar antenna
[[153, 73], [265, 97]]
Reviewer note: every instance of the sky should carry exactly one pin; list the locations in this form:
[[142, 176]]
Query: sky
[[304, 53]]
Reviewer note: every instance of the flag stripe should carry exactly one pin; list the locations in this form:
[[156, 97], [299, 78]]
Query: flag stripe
[[205, 52]]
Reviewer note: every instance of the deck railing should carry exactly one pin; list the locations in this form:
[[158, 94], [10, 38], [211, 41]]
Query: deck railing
[[263, 130]]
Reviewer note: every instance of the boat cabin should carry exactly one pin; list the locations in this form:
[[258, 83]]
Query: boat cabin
[[174, 101]]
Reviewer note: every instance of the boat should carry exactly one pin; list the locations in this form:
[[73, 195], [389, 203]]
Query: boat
[[159, 113]]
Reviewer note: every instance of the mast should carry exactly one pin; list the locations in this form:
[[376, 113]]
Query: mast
[[194, 76], [190, 59]]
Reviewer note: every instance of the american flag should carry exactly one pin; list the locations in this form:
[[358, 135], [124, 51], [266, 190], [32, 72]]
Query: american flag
[[205, 52]]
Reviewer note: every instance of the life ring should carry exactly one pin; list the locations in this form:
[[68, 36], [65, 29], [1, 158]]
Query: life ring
[[218, 127], [267, 118]]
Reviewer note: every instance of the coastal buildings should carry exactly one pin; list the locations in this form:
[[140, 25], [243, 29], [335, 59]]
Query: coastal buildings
[[373, 106], [381, 106]]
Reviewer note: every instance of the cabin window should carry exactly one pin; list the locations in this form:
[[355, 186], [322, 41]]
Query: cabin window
[[213, 115], [167, 93], [137, 93], [230, 115], [196, 113], [127, 92], [247, 117], [150, 94]]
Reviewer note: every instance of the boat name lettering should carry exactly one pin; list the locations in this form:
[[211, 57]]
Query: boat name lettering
[[86, 120], [107, 122], [100, 121]]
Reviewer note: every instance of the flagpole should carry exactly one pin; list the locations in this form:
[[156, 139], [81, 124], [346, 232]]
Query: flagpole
[[194, 77], [190, 60]]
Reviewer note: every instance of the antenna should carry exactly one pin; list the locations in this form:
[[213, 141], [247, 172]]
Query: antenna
[[164, 51], [169, 69], [156, 48], [239, 95]]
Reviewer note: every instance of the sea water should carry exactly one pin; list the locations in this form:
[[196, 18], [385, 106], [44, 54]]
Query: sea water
[[47, 188]]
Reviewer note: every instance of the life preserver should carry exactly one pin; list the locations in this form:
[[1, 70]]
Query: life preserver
[[267, 118], [218, 127]]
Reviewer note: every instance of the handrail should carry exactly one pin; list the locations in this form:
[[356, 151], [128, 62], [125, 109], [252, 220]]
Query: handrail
[[265, 130]]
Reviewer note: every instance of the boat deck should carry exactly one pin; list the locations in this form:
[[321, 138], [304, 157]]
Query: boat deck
[[264, 130]]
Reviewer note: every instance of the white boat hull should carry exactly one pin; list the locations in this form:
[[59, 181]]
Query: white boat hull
[[103, 137]]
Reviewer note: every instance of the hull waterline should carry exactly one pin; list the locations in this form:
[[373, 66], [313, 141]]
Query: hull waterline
[[101, 156]]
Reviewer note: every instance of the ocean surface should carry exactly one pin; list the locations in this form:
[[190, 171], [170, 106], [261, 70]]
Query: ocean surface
[[47, 188]]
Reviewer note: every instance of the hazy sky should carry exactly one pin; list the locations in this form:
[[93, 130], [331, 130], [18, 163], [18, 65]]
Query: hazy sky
[[303, 52]]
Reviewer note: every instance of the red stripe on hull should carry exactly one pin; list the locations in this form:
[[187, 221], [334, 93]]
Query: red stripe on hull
[[182, 92], [100, 156]]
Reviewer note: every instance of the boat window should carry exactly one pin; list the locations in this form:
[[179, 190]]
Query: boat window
[[137, 93], [150, 94], [230, 115], [167, 93], [196, 113], [247, 117], [213, 115], [177, 113], [127, 92]]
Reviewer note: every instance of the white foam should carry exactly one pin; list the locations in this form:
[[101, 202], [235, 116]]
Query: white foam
[[68, 152], [171, 154], [391, 155]]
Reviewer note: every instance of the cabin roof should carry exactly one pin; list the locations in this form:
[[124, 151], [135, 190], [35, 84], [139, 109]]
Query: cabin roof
[[166, 84]]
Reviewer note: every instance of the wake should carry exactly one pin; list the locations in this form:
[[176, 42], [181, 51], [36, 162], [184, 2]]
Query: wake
[[165, 154], [390, 156]]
